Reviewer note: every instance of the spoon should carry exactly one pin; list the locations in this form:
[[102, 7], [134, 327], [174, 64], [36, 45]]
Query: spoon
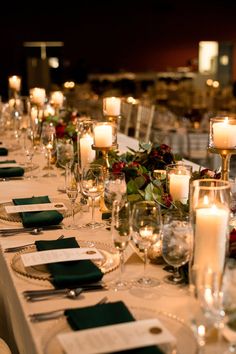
[[34, 231], [70, 294]]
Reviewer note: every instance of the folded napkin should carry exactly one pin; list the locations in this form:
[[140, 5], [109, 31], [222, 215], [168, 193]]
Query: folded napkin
[[70, 274], [38, 218], [11, 171], [3, 151], [104, 315]]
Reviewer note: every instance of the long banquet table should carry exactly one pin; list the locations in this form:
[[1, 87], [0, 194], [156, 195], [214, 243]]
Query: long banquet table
[[25, 337]]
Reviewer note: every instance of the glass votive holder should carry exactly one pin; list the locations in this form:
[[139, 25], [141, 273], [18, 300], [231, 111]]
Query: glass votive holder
[[178, 179], [223, 132], [111, 106], [104, 134], [14, 83], [38, 96], [85, 141]]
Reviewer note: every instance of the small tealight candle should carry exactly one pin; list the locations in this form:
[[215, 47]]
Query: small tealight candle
[[57, 98], [14, 82], [111, 106], [224, 134], [38, 96], [103, 135], [178, 179]]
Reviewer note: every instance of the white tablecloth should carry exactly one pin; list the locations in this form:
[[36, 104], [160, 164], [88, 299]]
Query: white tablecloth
[[29, 338]]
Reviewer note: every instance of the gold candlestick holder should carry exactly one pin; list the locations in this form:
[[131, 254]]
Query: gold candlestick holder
[[105, 151], [225, 155]]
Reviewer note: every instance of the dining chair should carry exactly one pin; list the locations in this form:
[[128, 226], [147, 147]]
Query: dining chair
[[4, 349], [124, 123], [197, 144], [144, 121]]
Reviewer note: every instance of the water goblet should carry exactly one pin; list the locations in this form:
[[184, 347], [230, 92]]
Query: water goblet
[[176, 245], [114, 188], [48, 135], [72, 190], [92, 185], [65, 154], [146, 226], [121, 233]]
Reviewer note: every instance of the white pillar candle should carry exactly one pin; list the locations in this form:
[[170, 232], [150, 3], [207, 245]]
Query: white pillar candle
[[57, 98], [38, 96], [179, 187], [224, 135], [103, 135], [87, 154], [111, 106], [210, 238], [14, 82]]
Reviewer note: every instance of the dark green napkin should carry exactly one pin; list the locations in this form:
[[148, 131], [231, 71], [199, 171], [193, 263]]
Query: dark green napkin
[[11, 171], [70, 274], [38, 218], [3, 151], [104, 315]]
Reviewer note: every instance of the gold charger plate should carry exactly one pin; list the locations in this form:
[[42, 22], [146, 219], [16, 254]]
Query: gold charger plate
[[109, 262], [185, 340], [16, 219]]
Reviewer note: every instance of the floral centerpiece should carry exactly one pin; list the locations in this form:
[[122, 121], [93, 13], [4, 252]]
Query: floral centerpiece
[[65, 124]]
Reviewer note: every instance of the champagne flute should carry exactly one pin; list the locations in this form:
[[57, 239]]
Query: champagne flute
[[92, 185], [121, 233], [48, 135], [28, 145], [176, 245], [72, 190], [146, 225]]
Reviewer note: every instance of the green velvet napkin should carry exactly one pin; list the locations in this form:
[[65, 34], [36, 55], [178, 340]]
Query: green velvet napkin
[[3, 151], [11, 171], [104, 315], [38, 218], [70, 274]]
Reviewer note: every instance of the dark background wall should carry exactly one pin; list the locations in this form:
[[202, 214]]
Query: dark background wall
[[109, 36]]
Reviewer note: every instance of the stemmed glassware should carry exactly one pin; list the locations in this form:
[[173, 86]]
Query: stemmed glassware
[[65, 154], [146, 225], [92, 185], [28, 146], [48, 136], [176, 245], [72, 190], [114, 188], [121, 233]]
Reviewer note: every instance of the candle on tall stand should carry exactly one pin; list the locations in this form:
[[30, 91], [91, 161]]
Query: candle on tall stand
[[14, 83], [223, 141], [111, 112], [57, 100], [178, 177]]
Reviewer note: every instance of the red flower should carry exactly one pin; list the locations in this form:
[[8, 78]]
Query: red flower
[[118, 166], [165, 148], [167, 200], [60, 130]]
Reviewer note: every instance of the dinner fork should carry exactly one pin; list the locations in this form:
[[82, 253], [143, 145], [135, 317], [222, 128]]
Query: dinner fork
[[20, 248], [52, 315]]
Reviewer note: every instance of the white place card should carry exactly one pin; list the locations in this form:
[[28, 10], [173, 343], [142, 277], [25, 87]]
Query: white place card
[[9, 164], [60, 255], [12, 209], [109, 339]]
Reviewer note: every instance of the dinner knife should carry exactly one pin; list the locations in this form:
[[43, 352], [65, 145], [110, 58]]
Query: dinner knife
[[29, 229]]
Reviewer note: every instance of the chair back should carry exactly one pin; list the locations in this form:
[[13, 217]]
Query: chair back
[[144, 122], [197, 144], [124, 123]]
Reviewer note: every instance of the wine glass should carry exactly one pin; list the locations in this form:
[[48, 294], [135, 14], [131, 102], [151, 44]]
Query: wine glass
[[176, 245], [114, 188], [28, 146], [121, 233], [92, 185], [146, 225], [48, 135], [72, 190], [65, 154]]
